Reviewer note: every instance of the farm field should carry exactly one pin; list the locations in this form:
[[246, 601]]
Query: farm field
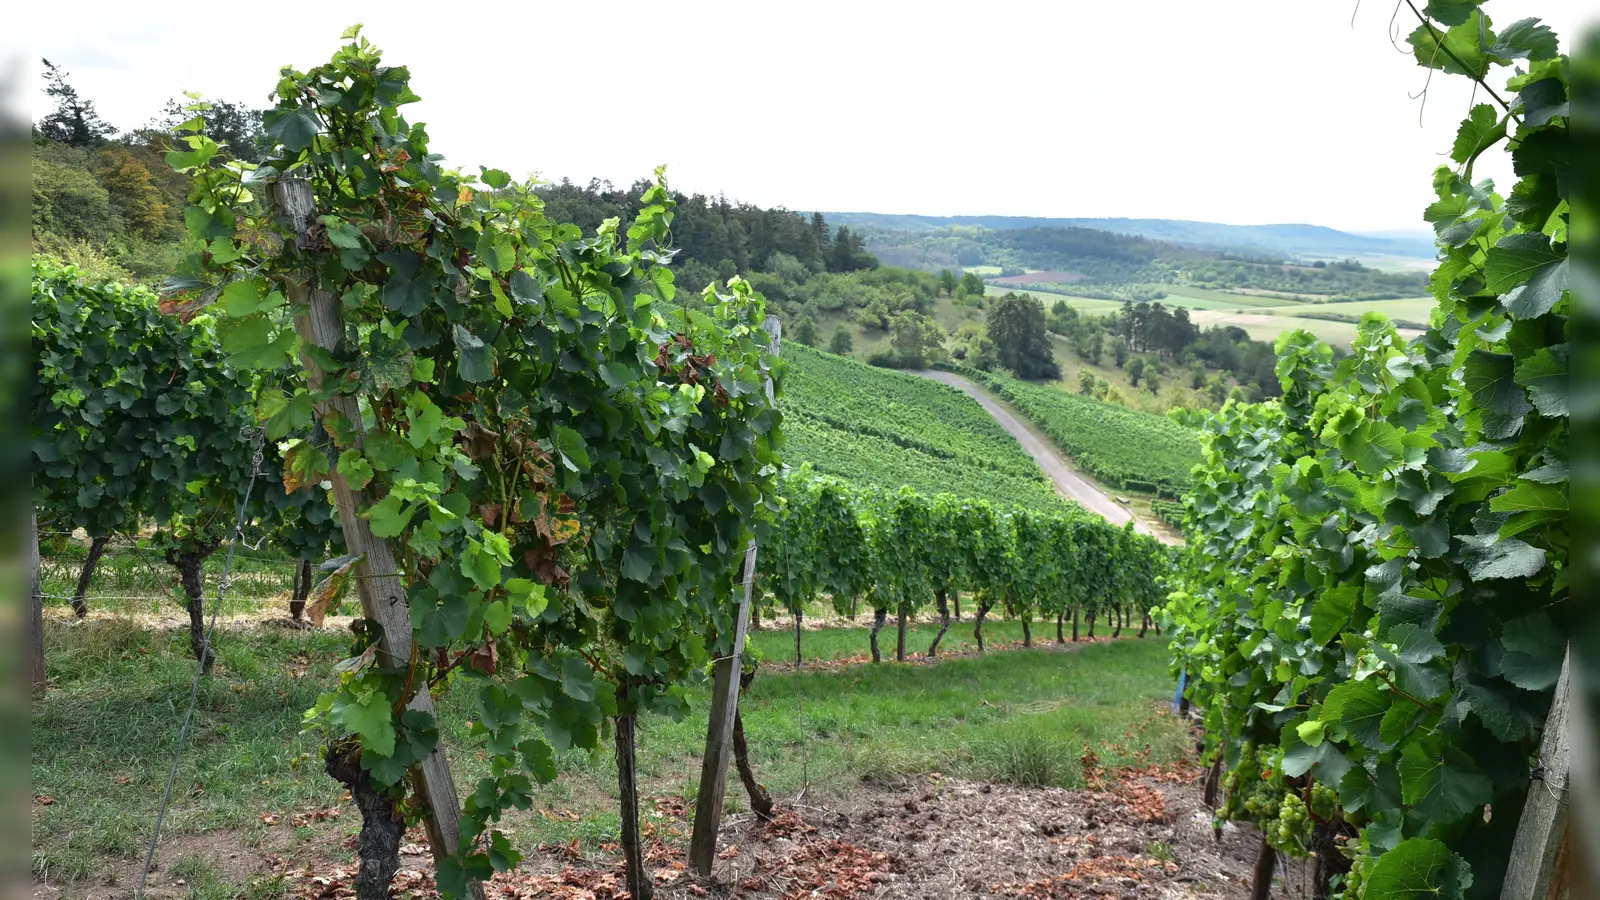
[[1264, 325], [1041, 277], [1082, 304], [1410, 309], [885, 428], [251, 785]]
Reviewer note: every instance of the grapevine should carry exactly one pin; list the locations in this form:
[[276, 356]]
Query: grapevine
[[570, 457], [1375, 597]]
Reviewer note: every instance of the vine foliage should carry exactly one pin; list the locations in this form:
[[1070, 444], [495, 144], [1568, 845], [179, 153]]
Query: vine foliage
[[1374, 605], [568, 454]]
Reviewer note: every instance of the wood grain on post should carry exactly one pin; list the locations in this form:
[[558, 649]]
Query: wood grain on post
[[725, 701], [377, 575], [1534, 873]]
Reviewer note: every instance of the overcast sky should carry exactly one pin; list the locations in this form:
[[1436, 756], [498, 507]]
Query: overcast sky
[[1243, 111]]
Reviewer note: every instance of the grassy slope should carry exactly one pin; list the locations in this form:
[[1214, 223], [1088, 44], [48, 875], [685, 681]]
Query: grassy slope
[[884, 428], [104, 733]]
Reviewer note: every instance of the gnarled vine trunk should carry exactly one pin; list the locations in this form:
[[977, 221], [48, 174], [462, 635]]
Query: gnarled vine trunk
[[957, 600], [378, 847], [900, 636], [799, 617], [1330, 861], [755, 617], [1144, 624], [1074, 624], [943, 604], [189, 564], [1027, 632], [977, 622], [302, 590], [1091, 626], [638, 879], [1116, 618], [1266, 864], [879, 617], [1061, 637], [760, 799], [97, 547], [1213, 781]]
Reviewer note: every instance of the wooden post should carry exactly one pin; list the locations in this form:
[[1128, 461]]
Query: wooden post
[[900, 635], [377, 575], [1533, 873], [35, 606], [725, 702]]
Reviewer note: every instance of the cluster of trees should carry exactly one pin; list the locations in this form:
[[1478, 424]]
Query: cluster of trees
[[105, 199], [718, 238], [1150, 340]]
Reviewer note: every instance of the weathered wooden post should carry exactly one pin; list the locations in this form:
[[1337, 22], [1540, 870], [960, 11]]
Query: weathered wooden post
[[1538, 869], [377, 575], [35, 606], [725, 703]]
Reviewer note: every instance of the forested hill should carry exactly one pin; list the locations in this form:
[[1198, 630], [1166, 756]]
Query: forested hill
[[1094, 263], [1285, 240]]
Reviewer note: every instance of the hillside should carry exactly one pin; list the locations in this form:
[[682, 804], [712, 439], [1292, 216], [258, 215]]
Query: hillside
[[1121, 447], [1290, 240], [884, 428]]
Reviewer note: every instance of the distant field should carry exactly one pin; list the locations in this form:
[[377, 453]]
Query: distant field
[[1045, 277], [1048, 298], [1266, 325], [1411, 309], [1198, 293], [1397, 263], [985, 271]]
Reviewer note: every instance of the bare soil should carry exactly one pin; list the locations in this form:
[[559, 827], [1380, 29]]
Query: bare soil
[[1140, 834]]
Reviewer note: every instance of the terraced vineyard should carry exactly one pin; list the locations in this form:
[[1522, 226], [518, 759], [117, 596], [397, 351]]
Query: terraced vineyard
[[887, 429], [1120, 447]]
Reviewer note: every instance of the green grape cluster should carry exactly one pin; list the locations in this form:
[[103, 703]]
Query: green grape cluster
[[1292, 831], [1355, 880], [1324, 801]]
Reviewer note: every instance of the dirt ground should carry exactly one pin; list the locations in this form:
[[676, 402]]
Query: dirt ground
[[1139, 833]]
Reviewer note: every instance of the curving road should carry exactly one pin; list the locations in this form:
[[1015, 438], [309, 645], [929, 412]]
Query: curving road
[[1068, 482]]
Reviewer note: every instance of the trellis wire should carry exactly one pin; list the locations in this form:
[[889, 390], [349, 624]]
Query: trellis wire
[[260, 435]]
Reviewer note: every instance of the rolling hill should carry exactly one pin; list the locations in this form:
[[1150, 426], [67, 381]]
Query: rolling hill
[[885, 428], [1287, 240]]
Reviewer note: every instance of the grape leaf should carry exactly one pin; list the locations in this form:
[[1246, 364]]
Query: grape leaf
[[1491, 377], [1534, 652], [1491, 556], [1419, 869], [1545, 376], [1443, 785], [366, 715]]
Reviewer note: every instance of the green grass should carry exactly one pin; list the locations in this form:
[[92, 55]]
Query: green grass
[[1092, 305], [1411, 309], [104, 732]]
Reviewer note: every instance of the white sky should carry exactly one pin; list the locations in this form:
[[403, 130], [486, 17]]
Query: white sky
[[1243, 111]]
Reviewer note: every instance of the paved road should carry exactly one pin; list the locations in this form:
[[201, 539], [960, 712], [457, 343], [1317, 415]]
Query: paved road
[[1068, 482]]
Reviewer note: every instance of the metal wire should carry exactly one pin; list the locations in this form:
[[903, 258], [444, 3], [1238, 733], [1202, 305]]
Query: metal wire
[[260, 435]]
